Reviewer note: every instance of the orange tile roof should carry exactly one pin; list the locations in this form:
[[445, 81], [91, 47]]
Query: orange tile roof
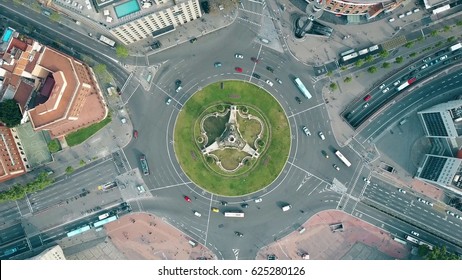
[[74, 86], [23, 93], [11, 164]]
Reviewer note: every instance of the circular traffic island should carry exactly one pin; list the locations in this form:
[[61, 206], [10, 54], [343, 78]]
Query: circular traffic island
[[232, 138]]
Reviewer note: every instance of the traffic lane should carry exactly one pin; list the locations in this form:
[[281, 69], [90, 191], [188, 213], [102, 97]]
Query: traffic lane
[[9, 213], [11, 234], [419, 98], [383, 98], [85, 180], [20, 245], [396, 226]]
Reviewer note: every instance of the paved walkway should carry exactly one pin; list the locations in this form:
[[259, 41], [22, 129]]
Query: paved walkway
[[358, 240]]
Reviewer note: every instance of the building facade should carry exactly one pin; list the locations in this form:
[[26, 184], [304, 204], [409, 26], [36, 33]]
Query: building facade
[[167, 17]]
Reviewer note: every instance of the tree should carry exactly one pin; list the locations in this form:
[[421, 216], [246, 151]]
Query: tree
[[369, 58], [421, 38], [69, 169], [102, 73], [459, 23], [359, 63], [386, 65], [53, 146], [447, 28], [437, 45], [412, 54], [55, 16], [409, 45], [82, 162], [329, 73], [451, 39], [440, 253], [372, 69], [434, 33], [333, 86], [384, 54], [121, 51], [347, 79], [10, 114], [343, 68], [399, 59]]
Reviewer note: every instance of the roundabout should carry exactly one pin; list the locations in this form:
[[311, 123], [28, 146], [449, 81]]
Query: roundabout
[[232, 138]]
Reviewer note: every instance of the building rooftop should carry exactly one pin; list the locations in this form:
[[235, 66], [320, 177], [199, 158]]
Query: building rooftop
[[11, 158]]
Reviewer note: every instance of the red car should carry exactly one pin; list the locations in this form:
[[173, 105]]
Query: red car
[[238, 69], [135, 134], [187, 198], [254, 59], [367, 98]]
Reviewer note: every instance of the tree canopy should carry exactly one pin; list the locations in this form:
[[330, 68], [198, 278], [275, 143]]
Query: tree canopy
[[10, 114]]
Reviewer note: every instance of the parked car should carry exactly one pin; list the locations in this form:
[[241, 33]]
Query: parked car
[[238, 55], [258, 200], [306, 131], [382, 86], [367, 98], [401, 191], [187, 199], [135, 134], [324, 153], [415, 233], [396, 83], [224, 203], [255, 75], [321, 135], [169, 100], [270, 69], [335, 166], [238, 234], [217, 64], [299, 101], [254, 59], [238, 69], [193, 40], [279, 81], [245, 205], [197, 214], [385, 90], [178, 83], [269, 83], [216, 210]]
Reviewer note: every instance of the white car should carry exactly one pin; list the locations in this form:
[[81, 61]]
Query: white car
[[306, 131], [366, 180], [168, 101], [396, 83], [197, 214], [335, 166], [443, 57], [382, 86], [258, 200], [238, 55], [141, 189], [321, 135], [415, 233], [391, 20], [385, 90], [401, 191], [269, 83]]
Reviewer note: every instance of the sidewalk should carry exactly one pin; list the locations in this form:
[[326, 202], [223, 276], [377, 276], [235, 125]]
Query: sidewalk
[[358, 241]]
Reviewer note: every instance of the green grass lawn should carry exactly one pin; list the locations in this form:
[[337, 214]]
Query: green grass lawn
[[83, 134], [270, 162]]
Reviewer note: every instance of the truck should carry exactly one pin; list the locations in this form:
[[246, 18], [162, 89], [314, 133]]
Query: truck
[[144, 165], [455, 47]]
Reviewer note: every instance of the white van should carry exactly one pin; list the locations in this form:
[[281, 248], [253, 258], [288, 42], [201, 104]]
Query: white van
[[141, 189], [286, 208], [391, 20], [401, 16], [197, 214]]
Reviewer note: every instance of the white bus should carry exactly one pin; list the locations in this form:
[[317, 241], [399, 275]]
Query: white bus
[[343, 158], [234, 214], [412, 239], [302, 88], [107, 41]]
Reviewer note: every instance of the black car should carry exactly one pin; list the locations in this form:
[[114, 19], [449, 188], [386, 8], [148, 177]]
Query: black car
[[245, 205], [178, 83], [269, 69], [193, 40], [299, 101], [237, 233], [224, 203], [256, 75]]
